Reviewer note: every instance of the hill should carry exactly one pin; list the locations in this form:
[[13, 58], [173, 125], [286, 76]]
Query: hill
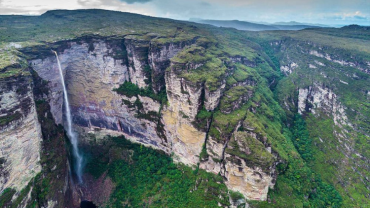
[[243, 25]]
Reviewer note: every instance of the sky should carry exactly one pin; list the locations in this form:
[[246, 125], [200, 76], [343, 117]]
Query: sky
[[329, 12]]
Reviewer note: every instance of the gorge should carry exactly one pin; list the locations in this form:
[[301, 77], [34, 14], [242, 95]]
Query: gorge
[[204, 116]]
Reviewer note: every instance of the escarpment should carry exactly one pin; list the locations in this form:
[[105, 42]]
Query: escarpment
[[193, 80], [336, 90]]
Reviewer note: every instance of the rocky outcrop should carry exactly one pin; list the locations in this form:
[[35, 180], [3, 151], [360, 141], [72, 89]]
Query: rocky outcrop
[[20, 133], [316, 98], [249, 166], [159, 60], [288, 69], [215, 154], [336, 59], [212, 98], [243, 60], [244, 162]]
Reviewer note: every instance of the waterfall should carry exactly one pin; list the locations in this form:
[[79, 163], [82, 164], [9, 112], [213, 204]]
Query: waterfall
[[71, 134]]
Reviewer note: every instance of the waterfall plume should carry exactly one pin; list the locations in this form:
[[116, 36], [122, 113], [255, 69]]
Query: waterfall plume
[[71, 134]]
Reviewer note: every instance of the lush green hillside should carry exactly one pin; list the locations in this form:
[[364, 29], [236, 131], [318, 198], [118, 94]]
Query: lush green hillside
[[338, 151]]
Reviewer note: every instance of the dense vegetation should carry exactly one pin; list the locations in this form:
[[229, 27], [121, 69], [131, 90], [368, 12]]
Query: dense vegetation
[[129, 89], [302, 140], [6, 197], [148, 178]]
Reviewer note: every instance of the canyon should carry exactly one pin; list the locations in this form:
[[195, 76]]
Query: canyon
[[227, 110]]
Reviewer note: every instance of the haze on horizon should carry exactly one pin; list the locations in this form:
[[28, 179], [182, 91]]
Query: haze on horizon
[[329, 12]]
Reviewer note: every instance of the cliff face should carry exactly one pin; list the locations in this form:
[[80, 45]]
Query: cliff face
[[91, 77], [20, 132], [322, 102], [317, 98], [242, 175], [159, 59], [184, 102], [94, 67], [29, 142], [330, 99]]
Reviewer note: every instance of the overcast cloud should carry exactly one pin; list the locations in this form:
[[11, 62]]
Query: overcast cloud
[[334, 12]]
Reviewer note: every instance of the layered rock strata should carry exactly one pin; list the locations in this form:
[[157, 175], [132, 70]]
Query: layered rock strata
[[20, 133]]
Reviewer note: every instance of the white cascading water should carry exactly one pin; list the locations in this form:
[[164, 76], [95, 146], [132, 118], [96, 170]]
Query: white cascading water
[[71, 134]]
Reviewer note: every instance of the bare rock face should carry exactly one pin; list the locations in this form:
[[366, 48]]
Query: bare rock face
[[91, 76], [364, 67], [184, 102], [182, 95], [20, 133], [215, 151], [137, 54], [288, 69], [317, 97], [212, 98], [48, 70], [159, 60], [248, 166], [253, 183]]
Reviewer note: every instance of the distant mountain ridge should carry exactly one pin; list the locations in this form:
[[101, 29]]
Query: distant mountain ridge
[[299, 23], [243, 25]]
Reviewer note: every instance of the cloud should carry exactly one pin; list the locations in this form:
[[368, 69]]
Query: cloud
[[360, 17], [118, 5], [314, 11], [34, 7], [19, 11], [352, 14], [135, 1], [355, 16]]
